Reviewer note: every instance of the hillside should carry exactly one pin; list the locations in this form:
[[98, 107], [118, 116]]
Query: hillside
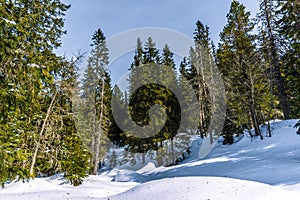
[[248, 169]]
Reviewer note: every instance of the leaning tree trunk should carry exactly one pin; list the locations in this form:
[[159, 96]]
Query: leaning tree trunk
[[34, 156]]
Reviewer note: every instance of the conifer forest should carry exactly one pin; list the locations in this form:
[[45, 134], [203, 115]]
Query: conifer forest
[[56, 114]]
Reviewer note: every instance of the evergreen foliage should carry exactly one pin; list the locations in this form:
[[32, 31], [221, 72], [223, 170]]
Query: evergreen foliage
[[142, 98], [37, 133], [51, 123], [199, 74], [95, 101], [239, 63], [289, 29]]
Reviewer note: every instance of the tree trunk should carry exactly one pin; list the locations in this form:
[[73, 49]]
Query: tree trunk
[[97, 159], [271, 102], [212, 96], [201, 94], [143, 157], [34, 156], [93, 156], [172, 151], [254, 120], [253, 107]]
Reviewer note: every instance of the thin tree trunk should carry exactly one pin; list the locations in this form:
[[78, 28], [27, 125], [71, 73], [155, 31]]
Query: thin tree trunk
[[34, 156], [143, 157], [97, 159], [213, 97], [92, 164], [201, 94], [254, 120], [200, 110], [271, 102], [172, 151], [204, 97], [253, 107]]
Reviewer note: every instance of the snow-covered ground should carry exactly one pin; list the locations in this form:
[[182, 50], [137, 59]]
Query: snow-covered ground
[[248, 169]]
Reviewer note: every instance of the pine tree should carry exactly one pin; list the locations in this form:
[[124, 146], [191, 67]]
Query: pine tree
[[238, 61], [185, 89], [183, 68], [97, 96], [59, 148], [201, 35], [73, 155], [115, 132], [113, 159], [170, 103], [270, 43], [198, 73], [289, 29], [28, 67], [142, 98]]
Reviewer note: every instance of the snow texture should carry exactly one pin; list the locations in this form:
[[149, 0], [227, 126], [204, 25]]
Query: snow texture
[[249, 169]]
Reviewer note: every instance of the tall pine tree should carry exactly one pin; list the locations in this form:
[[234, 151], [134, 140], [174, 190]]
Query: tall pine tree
[[238, 61], [289, 29], [96, 99], [270, 45]]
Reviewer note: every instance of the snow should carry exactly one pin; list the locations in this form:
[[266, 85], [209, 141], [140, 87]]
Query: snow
[[249, 169], [94, 187], [9, 21], [204, 188], [148, 167], [181, 142]]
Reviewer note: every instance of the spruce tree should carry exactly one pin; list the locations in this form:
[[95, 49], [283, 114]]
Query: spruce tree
[[96, 100], [238, 61], [270, 44], [28, 68], [115, 132], [73, 155], [142, 98], [198, 74], [289, 29]]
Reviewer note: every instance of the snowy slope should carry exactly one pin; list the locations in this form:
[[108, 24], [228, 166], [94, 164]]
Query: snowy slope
[[248, 169], [274, 160], [199, 188], [94, 187]]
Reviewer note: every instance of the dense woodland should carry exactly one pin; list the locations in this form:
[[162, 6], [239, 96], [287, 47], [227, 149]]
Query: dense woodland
[[52, 121]]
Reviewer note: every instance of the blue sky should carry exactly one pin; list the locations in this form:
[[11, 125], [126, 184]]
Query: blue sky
[[115, 16]]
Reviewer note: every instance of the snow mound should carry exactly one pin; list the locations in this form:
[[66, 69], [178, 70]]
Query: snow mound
[[33, 185], [128, 176], [148, 167], [191, 188]]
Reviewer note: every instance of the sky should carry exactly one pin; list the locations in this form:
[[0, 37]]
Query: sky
[[115, 16]]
